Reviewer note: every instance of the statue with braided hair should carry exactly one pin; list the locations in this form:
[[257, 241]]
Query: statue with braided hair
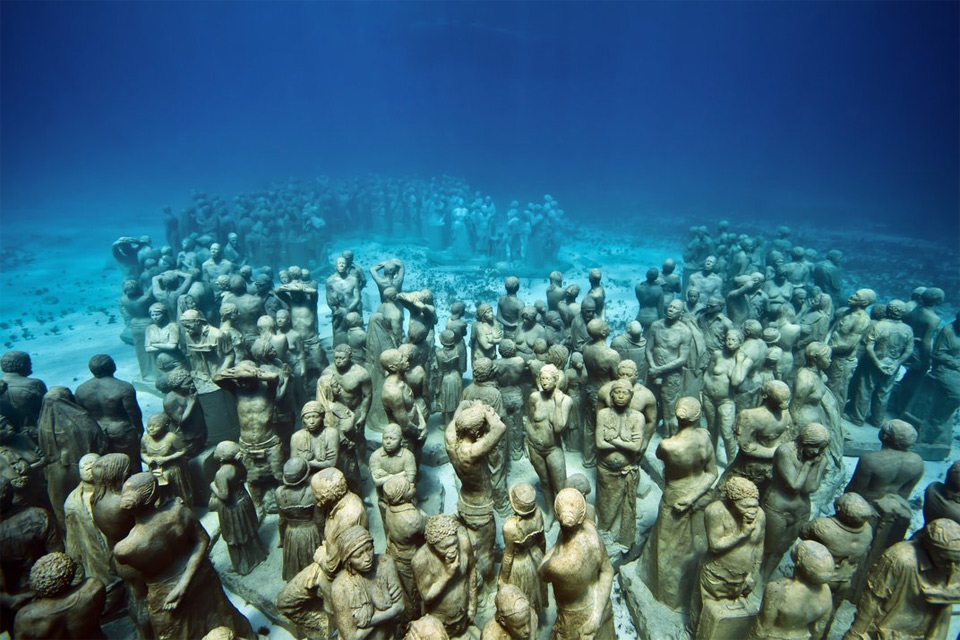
[[446, 574], [169, 547]]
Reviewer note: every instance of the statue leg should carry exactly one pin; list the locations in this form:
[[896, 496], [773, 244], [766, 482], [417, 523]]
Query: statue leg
[[726, 417]]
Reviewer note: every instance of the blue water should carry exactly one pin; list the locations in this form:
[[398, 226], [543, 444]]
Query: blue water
[[777, 112]]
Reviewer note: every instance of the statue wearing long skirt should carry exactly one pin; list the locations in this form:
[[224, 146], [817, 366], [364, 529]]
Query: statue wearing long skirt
[[298, 523], [239, 524]]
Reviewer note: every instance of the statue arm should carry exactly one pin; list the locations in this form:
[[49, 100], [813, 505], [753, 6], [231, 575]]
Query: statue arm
[[561, 416], [132, 408], [331, 449], [790, 470], [506, 566], [489, 440], [366, 399], [410, 467], [394, 591], [601, 593], [197, 555]]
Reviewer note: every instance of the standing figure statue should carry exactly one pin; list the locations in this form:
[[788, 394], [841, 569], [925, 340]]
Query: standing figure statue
[[548, 414], [844, 339], [581, 574], [600, 362], [523, 547], [229, 498], [169, 548], [446, 574], [470, 438], [298, 524], [668, 352], [60, 609], [113, 404]]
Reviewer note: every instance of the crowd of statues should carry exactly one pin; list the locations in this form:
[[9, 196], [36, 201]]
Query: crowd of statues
[[295, 221], [738, 372]]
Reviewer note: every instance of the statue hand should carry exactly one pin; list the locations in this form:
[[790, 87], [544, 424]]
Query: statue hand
[[174, 598]]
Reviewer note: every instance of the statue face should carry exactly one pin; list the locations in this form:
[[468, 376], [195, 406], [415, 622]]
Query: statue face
[[283, 318], [312, 420], [620, 397], [674, 310], [362, 559], [342, 266], [391, 442], [517, 624], [156, 428], [709, 264], [86, 469], [547, 382], [449, 549], [747, 508], [824, 360], [732, 341], [215, 251], [191, 326], [157, 316], [341, 359]]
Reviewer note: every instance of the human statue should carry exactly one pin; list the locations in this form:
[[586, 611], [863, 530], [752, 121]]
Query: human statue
[[887, 345], [169, 286], [621, 443], [707, 281], [343, 297], [126, 251], [844, 337], [114, 522], [580, 572], [60, 608], [355, 390], [250, 307], [302, 302], [847, 536], [83, 541], [678, 540], [135, 307], [912, 588], [388, 273], [164, 453], [509, 307], [446, 574], [730, 569], [169, 548], [426, 627], [631, 345], [798, 607], [515, 618], [827, 274], [298, 524], [392, 313], [24, 394], [162, 336], [600, 363], [403, 526], [798, 469], [367, 597], [528, 332], [255, 392], [392, 459], [398, 401], [940, 389], [485, 334], [65, 433], [555, 290], [713, 324], [318, 442], [379, 340], [778, 292], [548, 414], [668, 352], [567, 306], [886, 478], [423, 312], [205, 346], [512, 377], [727, 370], [747, 300], [942, 499], [814, 401], [755, 349], [306, 599], [113, 404], [470, 439], [338, 416], [650, 298], [451, 362], [579, 335], [217, 265], [238, 350], [182, 406], [239, 524], [524, 545], [759, 432]]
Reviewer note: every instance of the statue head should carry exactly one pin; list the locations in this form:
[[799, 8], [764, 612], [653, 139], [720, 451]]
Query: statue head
[[941, 539], [513, 612], [132, 288], [813, 562], [897, 434], [441, 533], [227, 451], [138, 492], [85, 466], [484, 370], [621, 393], [216, 251], [102, 366], [17, 362], [777, 392], [523, 498], [818, 355], [398, 490], [52, 574], [733, 339], [594, 276], [571, 293], [853, 509], [328, 486], [627, 370], [548, 378], [669, 266], [688, 412], [580, 482], [511, 284], [556, 278], [862, 298], [507, 348], [570, 509], [471, 420], [295, 471], [356, 548], [932, 297], [709, 263], [343, 356], [743, 498], [812, 440], [597, 329], [158, 424], [652, 274], [895, 309], [392, 438], [311, 415]]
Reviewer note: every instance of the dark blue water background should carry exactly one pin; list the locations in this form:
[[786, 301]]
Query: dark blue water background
[[803, 113]]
